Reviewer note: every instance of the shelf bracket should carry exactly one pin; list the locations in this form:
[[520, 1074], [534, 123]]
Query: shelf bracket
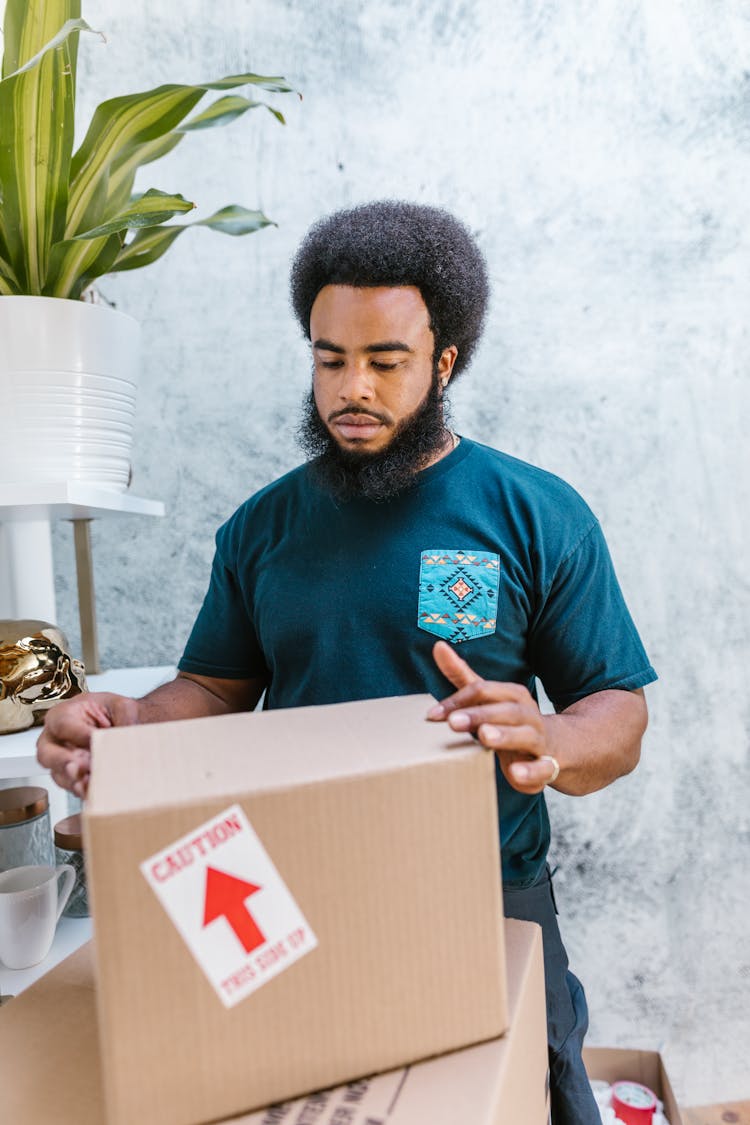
[[86, 599]]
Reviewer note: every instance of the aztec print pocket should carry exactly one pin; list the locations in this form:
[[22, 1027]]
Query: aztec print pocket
[[458, 594]]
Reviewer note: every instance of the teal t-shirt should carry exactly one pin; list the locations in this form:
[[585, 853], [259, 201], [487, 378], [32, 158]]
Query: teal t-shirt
[[340, 601]]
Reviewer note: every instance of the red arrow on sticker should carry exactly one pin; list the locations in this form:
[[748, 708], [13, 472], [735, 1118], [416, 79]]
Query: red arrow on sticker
[[225, 898]]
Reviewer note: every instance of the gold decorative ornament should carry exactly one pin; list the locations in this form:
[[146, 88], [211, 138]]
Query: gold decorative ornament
[[36, 671]]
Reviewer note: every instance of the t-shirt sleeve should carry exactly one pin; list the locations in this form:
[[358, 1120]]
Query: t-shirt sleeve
[[582, 639], [223, 642]]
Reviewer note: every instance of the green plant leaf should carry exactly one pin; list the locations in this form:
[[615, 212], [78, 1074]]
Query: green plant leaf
[[276, 113], [147, 210], [119, 185], [8, 280], [64, 215], [67, 29], [75, 263], [149, 245], [146, 247], [122, 123], [221, 112], [117, 127], [235, 220], [36, 112], [275, 85]]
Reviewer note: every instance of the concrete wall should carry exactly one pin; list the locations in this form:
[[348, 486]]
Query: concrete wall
[[599, 150]]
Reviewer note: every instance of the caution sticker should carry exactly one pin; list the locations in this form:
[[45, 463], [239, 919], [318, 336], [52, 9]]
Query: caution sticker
[[236, 914]]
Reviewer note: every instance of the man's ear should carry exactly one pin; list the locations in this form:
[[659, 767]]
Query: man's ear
[[445, 365]]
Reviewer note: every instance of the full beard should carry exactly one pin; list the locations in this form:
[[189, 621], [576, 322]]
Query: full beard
[[353, 474]]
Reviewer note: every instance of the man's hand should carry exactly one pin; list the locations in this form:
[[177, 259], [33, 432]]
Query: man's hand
[[504, 717], [593, 741], [64, 746]]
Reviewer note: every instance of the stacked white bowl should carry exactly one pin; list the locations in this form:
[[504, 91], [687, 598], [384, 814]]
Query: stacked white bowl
[[68, 382]]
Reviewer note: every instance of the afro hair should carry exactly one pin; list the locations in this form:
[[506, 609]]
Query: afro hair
[[390, 242]]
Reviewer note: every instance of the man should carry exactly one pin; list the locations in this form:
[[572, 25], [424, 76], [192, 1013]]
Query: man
[[333, 582]]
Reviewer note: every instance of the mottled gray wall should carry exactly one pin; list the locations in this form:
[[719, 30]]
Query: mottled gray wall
[[600, 152]]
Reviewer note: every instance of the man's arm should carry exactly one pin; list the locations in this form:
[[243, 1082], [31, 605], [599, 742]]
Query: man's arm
[[64, 744], [191, 697], [594, 741]]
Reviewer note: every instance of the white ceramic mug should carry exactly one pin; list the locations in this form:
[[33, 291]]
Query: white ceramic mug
[[31, 902]]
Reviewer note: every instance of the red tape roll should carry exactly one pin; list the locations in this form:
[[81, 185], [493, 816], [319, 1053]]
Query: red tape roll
[[633, 1104]]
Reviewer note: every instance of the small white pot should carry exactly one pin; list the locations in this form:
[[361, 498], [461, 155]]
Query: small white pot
[[68, 380]]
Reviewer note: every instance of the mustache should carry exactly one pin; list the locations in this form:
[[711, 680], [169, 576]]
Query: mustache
[[359, 410]]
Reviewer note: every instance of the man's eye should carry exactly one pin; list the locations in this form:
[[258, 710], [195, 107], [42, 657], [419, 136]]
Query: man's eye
[[380, 366], [330, 364]]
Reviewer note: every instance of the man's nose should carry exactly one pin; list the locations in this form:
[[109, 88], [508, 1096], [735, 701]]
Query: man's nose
[[356, 382]]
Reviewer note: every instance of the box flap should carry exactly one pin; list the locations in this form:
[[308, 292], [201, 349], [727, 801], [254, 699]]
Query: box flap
[[736, 1113], [267, 749]]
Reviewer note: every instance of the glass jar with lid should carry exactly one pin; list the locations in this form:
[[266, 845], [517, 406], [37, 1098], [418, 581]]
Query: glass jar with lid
[[25, 834], [69, 849]]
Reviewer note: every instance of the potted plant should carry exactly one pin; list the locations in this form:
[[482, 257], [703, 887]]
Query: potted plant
[[68, 367]]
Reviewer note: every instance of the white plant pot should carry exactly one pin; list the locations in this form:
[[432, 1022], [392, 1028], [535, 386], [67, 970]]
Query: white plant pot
[[68, 381]]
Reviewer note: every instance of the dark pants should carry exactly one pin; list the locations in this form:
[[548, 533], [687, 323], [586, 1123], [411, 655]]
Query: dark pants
[[567, 1015]]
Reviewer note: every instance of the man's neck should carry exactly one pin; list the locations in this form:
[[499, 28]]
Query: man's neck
[[447, 446]]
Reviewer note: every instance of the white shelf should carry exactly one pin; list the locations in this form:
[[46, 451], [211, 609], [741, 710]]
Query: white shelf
[[18, 751], [70, 500], [71, 933]]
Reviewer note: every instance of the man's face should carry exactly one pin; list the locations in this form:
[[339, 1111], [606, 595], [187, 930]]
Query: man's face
[[373, 362]]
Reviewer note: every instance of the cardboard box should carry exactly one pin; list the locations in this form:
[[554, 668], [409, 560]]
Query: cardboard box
[[615, 1064], [50, 1067], [372, 920]]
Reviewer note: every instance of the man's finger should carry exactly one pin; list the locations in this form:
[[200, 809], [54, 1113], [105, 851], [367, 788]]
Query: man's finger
[[81, 788], [60, 778], [487, 702], [482, 701], [530, 777], [78, 765], [453, 667], [51, 754], [70, 727], [525, 738]]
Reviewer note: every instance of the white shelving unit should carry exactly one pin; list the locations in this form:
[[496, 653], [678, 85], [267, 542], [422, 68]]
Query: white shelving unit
[[18, 764], [27, 575]]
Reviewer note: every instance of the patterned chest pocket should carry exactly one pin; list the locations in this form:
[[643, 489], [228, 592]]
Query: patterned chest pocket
[[458, 594]]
